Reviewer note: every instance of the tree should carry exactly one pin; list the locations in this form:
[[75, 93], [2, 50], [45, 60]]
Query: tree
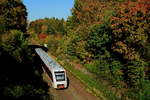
[[99, 38], [131, 29], [13, 15], [48, 26], [131, 34], [17, 60]]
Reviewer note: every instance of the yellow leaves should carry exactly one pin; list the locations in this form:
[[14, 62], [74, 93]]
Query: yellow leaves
[[129, 28], [120, 47], [132, 54], [92, 11], [128, 53], [114, 18], [140, 36], [117, 31], [80, 49], [125, 20], [44, 28]]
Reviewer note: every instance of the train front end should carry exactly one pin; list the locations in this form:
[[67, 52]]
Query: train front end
[[60, 80]]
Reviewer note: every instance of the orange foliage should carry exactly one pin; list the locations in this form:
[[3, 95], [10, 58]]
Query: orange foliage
[[129, 27], [91, 11], [42, 36]]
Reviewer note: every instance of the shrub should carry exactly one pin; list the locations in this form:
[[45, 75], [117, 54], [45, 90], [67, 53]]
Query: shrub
[[116, 72], [14, 43], [141, 92], [135, 72]]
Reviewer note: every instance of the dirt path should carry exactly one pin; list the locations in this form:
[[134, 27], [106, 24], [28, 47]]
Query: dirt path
[[75, 91]]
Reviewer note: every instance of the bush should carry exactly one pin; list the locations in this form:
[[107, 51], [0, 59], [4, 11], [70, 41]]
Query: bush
[[14, 92], [53, 44], [135, 72], [141, 92], [92, 67], [14, 43], [116, 72]]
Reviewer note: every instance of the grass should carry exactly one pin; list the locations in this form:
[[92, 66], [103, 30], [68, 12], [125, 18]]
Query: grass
[[92, 84]]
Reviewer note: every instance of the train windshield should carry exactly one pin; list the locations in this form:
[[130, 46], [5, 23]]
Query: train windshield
[[60, 76]]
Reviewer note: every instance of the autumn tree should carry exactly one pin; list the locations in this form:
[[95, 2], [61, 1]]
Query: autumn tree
[[13, 15], [131, 29], [48, 26], [17, 58], [131, 37]]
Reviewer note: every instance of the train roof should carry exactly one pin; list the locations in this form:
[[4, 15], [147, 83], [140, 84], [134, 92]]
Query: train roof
[[48, 61]]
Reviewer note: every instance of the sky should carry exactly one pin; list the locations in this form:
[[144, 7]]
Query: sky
[[38, 9]]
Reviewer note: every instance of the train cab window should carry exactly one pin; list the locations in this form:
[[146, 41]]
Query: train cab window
[[60, 76]]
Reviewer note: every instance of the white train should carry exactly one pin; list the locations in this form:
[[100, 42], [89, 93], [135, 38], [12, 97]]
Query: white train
[[56, 72]]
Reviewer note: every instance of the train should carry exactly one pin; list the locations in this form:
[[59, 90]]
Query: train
[[55, 71]]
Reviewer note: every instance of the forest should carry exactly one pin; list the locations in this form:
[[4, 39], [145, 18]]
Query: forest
[[110, 38]]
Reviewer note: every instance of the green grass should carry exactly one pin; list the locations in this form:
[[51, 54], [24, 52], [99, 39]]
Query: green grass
[[92, 84]]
